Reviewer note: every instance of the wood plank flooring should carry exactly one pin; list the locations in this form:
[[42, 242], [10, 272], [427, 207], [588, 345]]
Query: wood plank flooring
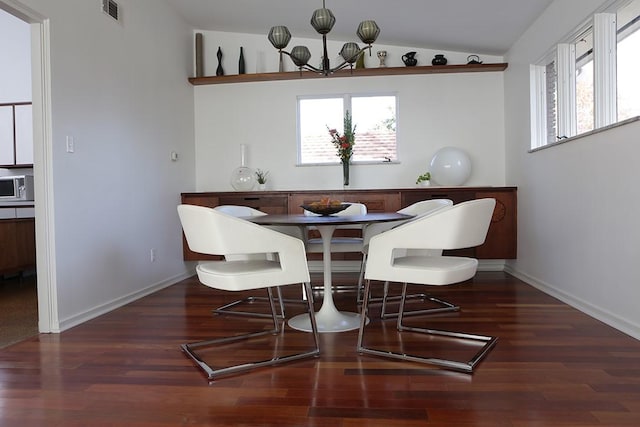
[[552, 366]]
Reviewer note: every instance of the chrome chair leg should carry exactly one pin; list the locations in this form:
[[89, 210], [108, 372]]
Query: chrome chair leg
[[228, 308], [464, 366], [445, 306], [212, 373]]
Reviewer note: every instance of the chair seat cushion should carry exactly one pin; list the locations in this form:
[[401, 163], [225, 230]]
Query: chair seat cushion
[[338, 244], [239, 275], [433, 270]]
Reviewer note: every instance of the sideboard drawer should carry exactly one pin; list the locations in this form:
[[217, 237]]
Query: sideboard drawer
[[266, 203]]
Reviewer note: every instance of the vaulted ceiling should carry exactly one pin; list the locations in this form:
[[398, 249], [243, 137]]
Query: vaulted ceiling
[[488, 27]]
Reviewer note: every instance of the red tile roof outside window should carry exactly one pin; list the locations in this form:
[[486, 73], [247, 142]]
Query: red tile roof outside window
[[369, 147]]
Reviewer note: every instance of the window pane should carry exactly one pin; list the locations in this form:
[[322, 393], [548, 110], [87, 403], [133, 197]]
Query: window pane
[[584, 83], [628, 62], [375, 120], [551, 92], [373, 116], [315, 116]]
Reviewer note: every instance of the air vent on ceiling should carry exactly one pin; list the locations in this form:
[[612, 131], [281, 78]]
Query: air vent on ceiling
[[111, 8]]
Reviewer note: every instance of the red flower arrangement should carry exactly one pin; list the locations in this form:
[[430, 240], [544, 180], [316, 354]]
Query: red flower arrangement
[[344, 143]]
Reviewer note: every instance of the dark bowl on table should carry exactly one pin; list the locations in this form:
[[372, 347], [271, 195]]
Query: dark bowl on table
[[325, 210]]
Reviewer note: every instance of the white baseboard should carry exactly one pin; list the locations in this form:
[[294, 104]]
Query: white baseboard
[[611, 319], [354, 266], [119, 302]]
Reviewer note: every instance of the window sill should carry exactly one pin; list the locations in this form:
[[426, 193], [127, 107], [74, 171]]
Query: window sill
[[585, 134], [371, 162]]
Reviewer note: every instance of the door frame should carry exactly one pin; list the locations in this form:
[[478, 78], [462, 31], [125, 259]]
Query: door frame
[[48, 319]]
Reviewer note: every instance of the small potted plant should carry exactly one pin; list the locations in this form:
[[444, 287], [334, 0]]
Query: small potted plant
[[424, 180], [261, 177]]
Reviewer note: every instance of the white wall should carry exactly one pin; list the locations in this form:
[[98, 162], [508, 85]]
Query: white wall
[[464, 110], [578, 207], [121, 92], [15, 57]]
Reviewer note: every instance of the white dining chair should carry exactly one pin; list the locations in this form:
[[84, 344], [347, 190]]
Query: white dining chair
[[464, 225], [213, 232], [232, 307], [417, 210]]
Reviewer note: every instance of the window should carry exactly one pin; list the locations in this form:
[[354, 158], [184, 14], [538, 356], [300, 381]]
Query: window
[[373, 115], [584, 83], [592, 80], [628, 63], [551, 101]]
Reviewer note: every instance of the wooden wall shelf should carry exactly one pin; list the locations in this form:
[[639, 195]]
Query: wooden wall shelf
[[361, 72]]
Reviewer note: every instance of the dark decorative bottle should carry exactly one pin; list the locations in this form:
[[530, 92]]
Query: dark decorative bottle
[[241, 62], [219, 70]]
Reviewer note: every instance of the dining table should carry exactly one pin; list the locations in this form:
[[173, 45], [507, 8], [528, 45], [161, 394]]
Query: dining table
[[328, 318]]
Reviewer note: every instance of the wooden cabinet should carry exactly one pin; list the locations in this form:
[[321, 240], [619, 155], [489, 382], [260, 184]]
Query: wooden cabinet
[[501, 239], [16, 135], [18, 243], [269, 203], [501, 242]]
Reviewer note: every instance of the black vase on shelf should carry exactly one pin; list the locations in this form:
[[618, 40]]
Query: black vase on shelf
[[439, 60], [219, 70], [345, 172], [241, 62]]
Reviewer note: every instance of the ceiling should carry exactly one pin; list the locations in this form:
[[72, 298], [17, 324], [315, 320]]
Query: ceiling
[[488, 27]]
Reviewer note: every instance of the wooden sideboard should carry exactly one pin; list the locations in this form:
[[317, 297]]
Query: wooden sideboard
[[18, 243], [501, 242]]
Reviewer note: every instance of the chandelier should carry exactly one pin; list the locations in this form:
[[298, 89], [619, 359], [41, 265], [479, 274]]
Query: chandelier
[[322, 21]]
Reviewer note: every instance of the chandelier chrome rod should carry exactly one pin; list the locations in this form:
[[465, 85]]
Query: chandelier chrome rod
[[326, 69], [322, 21]]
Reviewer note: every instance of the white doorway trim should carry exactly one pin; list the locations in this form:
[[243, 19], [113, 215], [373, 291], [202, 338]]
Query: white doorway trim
[[48, 320]]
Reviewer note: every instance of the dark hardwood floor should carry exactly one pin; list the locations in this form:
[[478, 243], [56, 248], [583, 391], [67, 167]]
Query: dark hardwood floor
[[552, 366]]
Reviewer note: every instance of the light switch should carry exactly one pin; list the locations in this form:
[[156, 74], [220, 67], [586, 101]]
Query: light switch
[[70, 144], [174, 156]]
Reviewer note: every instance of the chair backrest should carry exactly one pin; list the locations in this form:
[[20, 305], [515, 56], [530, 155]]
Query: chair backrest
[[425, 207], [245, 212], [464, 225], [239, 211], [213, 232], [418, 209]]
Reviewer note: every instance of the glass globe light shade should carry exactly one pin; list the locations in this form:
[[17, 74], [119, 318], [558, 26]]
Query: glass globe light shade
[[368, 31], [450, 166], [323, 20], [243, 179], [349, 52], [300, 55], [279, 36]]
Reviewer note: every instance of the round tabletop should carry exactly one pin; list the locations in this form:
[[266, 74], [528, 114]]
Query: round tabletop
[[298, 219]]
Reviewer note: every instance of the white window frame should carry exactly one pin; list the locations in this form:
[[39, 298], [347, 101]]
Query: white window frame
[[605, 40], [346, 105]]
